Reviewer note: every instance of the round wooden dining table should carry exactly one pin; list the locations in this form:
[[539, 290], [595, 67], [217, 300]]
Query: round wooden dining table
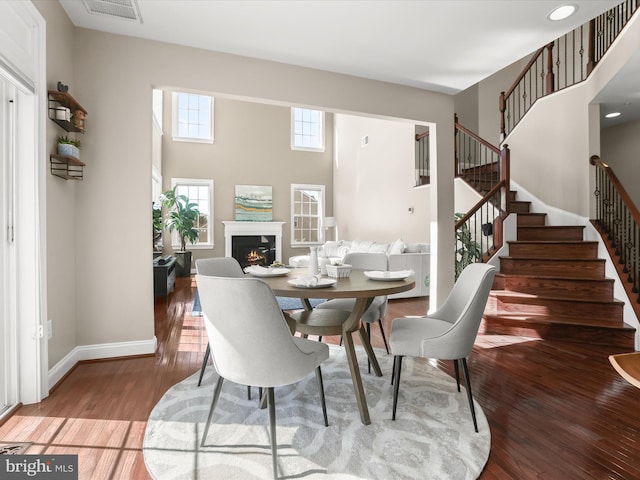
[[324, 322]]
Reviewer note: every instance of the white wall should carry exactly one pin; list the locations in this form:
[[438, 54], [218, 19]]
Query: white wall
[[557, 135], [374, 184]]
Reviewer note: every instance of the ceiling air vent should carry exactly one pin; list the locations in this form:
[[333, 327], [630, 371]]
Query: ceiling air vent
[[127, 9]]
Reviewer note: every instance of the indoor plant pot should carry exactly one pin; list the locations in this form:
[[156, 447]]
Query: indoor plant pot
[[182, 216], [69, 147]]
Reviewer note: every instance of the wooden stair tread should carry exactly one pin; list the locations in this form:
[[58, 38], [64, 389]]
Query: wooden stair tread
[[553, 259], [512, 294], [554, 277], [557, 320], [547, 242]]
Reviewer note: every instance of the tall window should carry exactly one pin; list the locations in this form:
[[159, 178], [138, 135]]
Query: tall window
[[307, 210], [307, 129], [192, 117], [198, 191]]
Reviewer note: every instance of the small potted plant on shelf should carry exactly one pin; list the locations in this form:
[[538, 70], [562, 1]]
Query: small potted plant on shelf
[[182, 216], [69, 147]]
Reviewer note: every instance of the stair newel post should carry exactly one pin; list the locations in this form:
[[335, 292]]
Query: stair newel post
[[505, 176], [502, 106], [550, 75]]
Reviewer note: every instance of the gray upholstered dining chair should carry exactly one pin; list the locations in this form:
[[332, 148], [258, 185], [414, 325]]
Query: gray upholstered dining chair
[[448, 333], [217, 267], [251, 343], [378, 308]]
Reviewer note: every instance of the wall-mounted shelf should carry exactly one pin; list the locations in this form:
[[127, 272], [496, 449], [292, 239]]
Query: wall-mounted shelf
[[69, 168], [61, 100]]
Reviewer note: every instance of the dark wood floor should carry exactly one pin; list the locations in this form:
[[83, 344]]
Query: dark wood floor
[[556, 410]]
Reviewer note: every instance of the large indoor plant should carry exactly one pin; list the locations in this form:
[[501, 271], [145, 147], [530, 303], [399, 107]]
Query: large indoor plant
[[182, 216]]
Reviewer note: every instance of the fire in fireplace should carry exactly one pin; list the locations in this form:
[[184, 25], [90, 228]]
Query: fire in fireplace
[[254, 249]]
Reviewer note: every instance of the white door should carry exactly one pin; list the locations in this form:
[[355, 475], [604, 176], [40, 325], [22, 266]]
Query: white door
[[8, 355]]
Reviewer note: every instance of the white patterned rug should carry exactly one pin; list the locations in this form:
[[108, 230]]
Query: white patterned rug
[[432, 437]]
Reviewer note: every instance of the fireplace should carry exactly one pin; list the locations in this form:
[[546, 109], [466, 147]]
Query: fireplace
[[253, 243], [254, 249]]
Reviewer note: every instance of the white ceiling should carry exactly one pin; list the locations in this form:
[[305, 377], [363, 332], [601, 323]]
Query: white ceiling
[[440, 45]]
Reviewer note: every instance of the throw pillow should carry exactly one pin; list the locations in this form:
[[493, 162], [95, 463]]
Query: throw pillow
[[379, 247], [361, 246], [416, 248], [331, 249], [397, 247]]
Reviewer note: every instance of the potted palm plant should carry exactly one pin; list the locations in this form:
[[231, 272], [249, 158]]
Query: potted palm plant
[[182, 216]]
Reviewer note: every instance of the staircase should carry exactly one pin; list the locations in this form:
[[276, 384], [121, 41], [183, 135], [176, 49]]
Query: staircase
[[553, 286]]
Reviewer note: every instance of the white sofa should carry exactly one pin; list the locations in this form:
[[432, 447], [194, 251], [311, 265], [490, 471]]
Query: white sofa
[[402, 256]]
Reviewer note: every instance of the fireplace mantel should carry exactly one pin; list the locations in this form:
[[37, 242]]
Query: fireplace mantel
[[232, 229]]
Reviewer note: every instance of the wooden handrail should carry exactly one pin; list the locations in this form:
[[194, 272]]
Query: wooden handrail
[[624, 196], [524, 71], [478, 139], [480, 203], [422, 135]]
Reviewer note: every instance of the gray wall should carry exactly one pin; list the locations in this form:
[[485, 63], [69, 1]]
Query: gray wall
[[251, 147], [620, 147]]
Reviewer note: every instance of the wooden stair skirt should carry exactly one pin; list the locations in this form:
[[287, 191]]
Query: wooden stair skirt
[[552, 285]]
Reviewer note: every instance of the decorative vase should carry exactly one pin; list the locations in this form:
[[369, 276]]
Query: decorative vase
[[313, 261]]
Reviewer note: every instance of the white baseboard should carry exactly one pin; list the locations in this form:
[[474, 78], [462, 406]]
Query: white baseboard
[[99, 352]]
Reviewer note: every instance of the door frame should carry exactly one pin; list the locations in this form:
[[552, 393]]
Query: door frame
[[23, 62]]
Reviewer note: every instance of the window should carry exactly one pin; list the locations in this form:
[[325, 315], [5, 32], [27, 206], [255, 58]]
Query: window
[[307, 129], [192, 117], [198, 191], [307, 210]]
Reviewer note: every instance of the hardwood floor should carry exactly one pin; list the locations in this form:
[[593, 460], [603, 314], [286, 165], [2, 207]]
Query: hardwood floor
[[556, 410]]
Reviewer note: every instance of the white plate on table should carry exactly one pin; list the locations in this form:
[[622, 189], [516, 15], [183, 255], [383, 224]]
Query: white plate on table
[[267, 271], [388, 276], [322, 283]]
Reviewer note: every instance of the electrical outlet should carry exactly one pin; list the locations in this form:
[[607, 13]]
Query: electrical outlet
[[49, 329], [410, 210]]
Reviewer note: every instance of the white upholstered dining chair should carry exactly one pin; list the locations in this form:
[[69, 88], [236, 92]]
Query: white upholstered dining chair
[[217, 267], [251, 343], [448, 333], [378, 308]]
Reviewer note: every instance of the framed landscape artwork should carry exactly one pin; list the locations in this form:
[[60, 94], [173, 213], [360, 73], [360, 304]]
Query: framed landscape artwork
[[254, 203]]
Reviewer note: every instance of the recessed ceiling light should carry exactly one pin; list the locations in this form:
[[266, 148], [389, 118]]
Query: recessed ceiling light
[[612, 115], [562, 12]]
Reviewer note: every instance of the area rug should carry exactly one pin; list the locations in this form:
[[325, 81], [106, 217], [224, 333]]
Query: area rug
[[14, 448], [285, 303], [432, 437]]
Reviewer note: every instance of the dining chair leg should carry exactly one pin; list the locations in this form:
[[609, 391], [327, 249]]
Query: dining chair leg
[[369, 337], [393, 369], [207, 352], [384, 337], [467, 381], [397, 368], [248, 392], [214, 401], [272, 428], [457, 369], [322, 399], [262, 398]]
